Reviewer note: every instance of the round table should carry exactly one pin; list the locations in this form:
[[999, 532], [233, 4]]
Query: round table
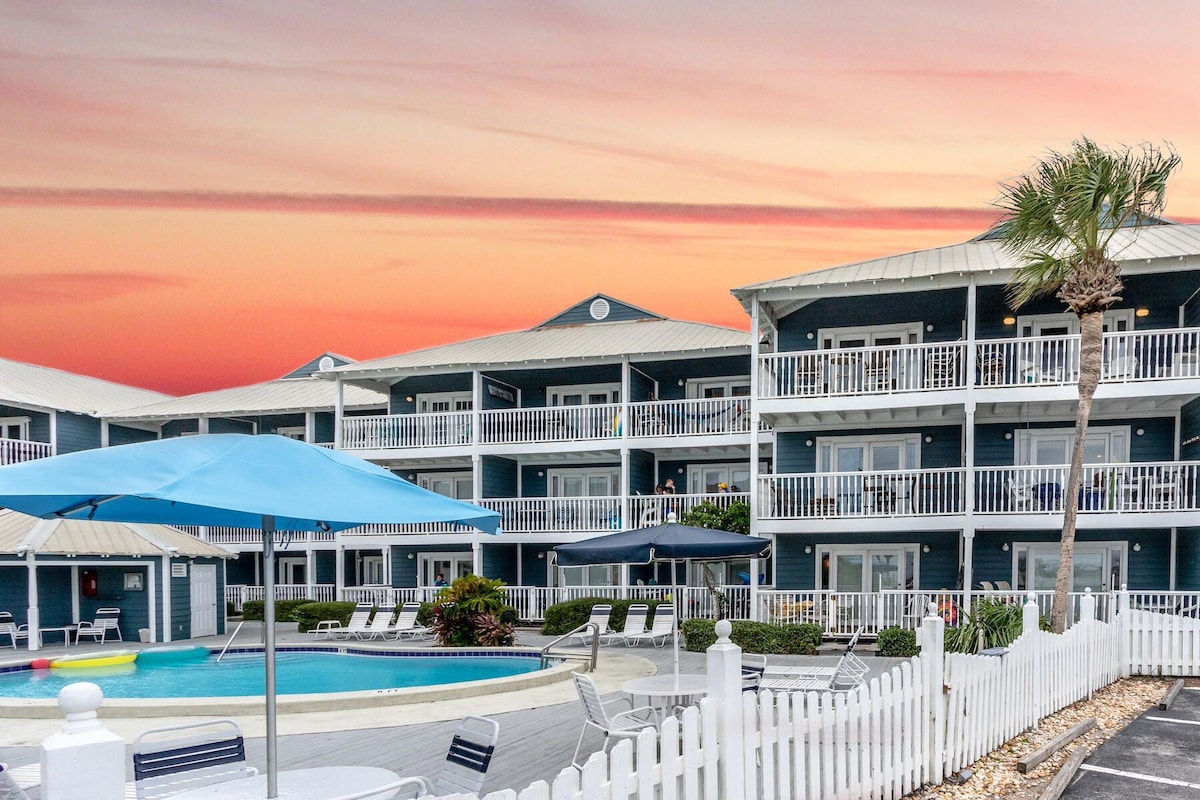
[[669, 690], [316, 783]]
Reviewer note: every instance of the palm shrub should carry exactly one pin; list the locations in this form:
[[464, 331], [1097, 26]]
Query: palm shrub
[[472, 612], [991, 623]]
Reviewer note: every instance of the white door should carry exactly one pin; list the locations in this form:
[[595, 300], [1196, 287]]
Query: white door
[[204, 600]]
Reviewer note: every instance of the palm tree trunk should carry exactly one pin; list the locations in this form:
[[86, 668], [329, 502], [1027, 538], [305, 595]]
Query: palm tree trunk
[[1091, 345]]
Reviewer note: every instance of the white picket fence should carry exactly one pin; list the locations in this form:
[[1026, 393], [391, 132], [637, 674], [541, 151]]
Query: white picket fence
[[916, 724]]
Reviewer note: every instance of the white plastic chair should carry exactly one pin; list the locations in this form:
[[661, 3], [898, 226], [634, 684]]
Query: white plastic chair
[[106, 622], [660, 630], [406, 622], [10, 628], [622, 725], [380, 624], [599, 617], [635, 624], [467, 762]]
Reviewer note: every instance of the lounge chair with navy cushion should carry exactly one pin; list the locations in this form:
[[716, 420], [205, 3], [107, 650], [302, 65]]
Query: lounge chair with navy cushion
[[208, 752], [467, 762]]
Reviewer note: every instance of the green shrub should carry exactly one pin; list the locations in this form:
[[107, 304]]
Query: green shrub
[[897, 642], [993, 622], [253, 609], [473, 612], [755, 637], [565, 617], [231, 609], [309, 614]]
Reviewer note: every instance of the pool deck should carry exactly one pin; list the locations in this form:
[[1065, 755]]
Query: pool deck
[[539, 726]]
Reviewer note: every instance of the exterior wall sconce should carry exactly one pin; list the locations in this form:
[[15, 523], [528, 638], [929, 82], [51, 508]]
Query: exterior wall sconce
[[541, 554], [1008, 434], [541, 474], [1004, 547], [1137, 547], [412, 477], [681, 470], [810, 335], [928, 438], [1142, 312], [679, 382], [808, 442], [1010, 320], [808, 549], [411, 556], [1140, 431], [929, 327], [408, 398], [925, 548]]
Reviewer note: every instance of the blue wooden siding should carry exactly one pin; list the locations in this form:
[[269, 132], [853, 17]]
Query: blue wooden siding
[[226, 425], [404, 569], [499, 477], [14, 587], [1187, 560], [39, 422], [533, 569], [944, 309], [119, 434], [1156, 444], [670, 373], [641, 472], [500, 562], [77, 432], [1189, 423], [240, 570], [533, 484], [580, 313], [176, 427], [795, 569], [793, 456], [533, 382], [497, 394], [1148, 569], [325, 566], [398, 402], [181, 604]]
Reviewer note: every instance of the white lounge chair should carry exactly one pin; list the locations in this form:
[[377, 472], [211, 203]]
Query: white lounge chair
[[105, 622], [9, 628], [849, 673], [467, 762], [212, 752], [635, 624], [599, 617], [624, 724], [406, 622], [754, 667], [660, 630], [334, 629], [380, 624]]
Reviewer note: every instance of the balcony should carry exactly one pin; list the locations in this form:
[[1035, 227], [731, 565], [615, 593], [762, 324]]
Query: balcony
[[14, 451], [392, 431], [1128, 357], [254, 537], [1131, 488], [863, 495]]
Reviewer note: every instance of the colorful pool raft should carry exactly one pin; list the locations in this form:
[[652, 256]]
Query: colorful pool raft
[[92, 660]]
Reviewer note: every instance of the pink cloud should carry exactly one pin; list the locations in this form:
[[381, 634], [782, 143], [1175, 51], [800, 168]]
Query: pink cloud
[[78, 287]]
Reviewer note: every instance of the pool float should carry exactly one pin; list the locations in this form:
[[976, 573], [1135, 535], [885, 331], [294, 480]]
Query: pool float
[[173, 654], [88, 660], [40, 663]]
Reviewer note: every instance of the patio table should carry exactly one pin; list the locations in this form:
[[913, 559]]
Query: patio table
[[668, 689], [314, 783], [65, 630]]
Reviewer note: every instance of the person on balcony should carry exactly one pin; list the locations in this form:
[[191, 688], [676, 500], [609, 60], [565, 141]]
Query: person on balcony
[[669, 486]]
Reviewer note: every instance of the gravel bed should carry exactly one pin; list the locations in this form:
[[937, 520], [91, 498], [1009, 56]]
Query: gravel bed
[[995, 775]]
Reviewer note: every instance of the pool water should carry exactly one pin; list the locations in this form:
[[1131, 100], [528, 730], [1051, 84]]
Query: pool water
[[241, 674]]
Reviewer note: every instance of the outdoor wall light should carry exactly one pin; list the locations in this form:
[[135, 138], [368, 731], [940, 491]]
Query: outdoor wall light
[[925, 548], [681, 470], [408, 398], [929, 327], [411, 556], [1004, 547], [1008, 434], [541, 554], [412, 477], [1137, 547], [1140, 431], [810, 335], [541, 474], [1010, 320], [808, 549], [808, 442], [1142, 312], [928, 438], [679, 382]]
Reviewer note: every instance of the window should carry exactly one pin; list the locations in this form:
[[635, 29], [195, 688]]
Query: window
[[707, 478], [870, 336], [584, 394], [861, 568], [292, 432], [1053, 446], [602, 575], [1099, 566], [372, 571], [448, 565], [598, 482], [14, 428], [443, 402], [458, 485], [711, 388], [292, 570]]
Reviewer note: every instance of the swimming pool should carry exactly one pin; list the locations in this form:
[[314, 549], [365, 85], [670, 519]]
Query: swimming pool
[[297, 672]]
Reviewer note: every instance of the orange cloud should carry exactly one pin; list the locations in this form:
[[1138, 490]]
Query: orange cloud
[[78, 287]]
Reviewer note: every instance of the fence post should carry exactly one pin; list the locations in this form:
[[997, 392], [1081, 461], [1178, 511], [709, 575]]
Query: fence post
[[1031, 615], [931, 636], [1087, 605], [85, 760], [1123, 623], [724, 667]]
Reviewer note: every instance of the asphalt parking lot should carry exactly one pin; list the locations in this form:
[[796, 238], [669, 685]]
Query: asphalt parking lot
[[1157, 757]]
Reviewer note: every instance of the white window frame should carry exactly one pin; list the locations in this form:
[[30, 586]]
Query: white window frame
[[1118, 319], [1023, 446], [285, 566], [296, 432], [612, 572], [909, 333], [865, 550], [425, 481], [371, 567], [554, 394], [453, 399], [20, 423], [696, 473], [1028, 549], [903, 439], [554, 479], [696, 386], [456, 558]]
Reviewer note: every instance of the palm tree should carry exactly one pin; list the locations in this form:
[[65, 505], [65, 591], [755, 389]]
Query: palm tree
[[1061, 217]]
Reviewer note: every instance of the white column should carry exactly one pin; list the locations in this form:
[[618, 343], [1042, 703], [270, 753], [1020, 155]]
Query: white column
[[476, 557], [74, 593], [32, 614], [202, 426], [339, 410], [310, 426], [168, 620], [755, 490], [310, 571], [151, 601], [969, 485], [931, 637], [339, 572], [623, 422], [103, 439], [85, 760], [54, 432]]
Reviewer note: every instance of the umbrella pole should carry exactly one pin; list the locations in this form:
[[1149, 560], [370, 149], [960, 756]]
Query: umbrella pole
[[268, 531]]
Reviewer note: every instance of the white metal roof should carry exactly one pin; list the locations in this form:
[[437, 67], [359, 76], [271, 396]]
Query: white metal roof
[[1151, 242], [42, 387], [77, 537], [273, 397], [638, 338]]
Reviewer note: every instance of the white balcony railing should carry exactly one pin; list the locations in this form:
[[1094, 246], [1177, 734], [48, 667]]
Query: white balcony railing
[[253, 536], [888, 493], [444, 429], [1132, 488], [553, 424], [653, 509], [236, 595], [690, 417], [1128, 356], [14, 451], [863, 370], [557, 514]]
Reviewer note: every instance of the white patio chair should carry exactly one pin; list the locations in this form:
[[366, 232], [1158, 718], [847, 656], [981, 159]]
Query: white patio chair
[[380, 624], [660, 630], [1162, 489], [877, 372], [334, 629], [1020, 495], [10, 628], [406, 622], [635, 624], [754, 666], [622, 725], [850, 672], [213, 751], [599, 617], [105, 622], [467, 762]]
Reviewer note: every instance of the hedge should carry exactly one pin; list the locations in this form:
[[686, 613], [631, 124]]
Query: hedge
[[253, 609], [755, 637], [565, 617], [897, 642], [310, 613]]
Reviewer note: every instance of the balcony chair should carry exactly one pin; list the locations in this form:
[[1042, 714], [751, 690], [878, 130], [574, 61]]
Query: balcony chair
[[622, 725], [467, 762], [809, 377], [877, 372], [214, 751], [1162, 489], [105, 622], [1121, 368], [914, 612], [1020, 495], [941, 370], [1185, 363]]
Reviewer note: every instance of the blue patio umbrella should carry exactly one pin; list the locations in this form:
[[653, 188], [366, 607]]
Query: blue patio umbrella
[[670, 541], [230, 480]]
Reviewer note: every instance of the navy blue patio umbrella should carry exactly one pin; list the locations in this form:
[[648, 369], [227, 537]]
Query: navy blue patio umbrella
[[670, 541], [230, 480]]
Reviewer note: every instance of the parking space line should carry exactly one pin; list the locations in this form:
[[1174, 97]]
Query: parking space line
[[1179, 721], [1139, 776]]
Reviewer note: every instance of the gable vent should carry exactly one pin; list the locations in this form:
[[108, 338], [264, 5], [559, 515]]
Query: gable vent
[[325, 363], [599, 309]]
